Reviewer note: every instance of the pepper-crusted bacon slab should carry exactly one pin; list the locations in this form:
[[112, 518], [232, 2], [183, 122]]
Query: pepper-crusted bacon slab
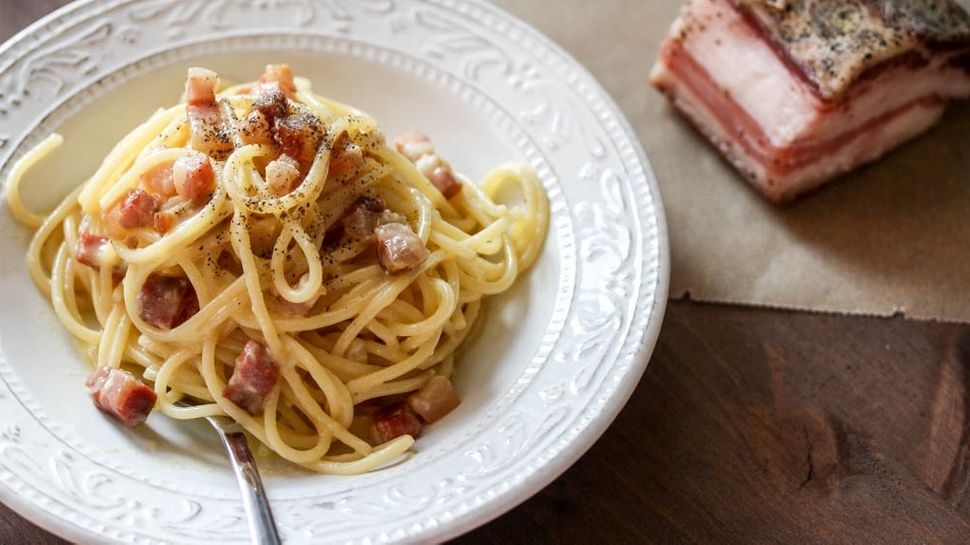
[[795, 93]]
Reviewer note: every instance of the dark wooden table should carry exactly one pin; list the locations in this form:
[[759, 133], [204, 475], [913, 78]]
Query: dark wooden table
[[752, 426]]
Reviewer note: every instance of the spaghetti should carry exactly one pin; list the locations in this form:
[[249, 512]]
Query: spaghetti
[[262, 254]]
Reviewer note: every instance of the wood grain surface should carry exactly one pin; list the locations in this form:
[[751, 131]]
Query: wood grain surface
[[752, 426]]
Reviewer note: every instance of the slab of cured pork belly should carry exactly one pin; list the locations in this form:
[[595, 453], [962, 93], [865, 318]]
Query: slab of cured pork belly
[[797, 92]]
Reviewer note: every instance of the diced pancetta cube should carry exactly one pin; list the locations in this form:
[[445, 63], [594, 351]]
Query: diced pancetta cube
[[419, 150], [167, 301], [256, 129], [159, 181], [194, 177], [398, 248], [280, 75], [443, 179], [271, 102], [363, 218], [253, 378], [120, 394], [170, 212], [282, 175], [300, 136], [208, 133], [345, 158], [135, 209], [200, 87], [394, 421], [90, 248], [434, 400], [414, 145]]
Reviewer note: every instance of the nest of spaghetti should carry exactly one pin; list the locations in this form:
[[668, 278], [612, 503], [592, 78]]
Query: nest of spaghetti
[[261, 253]]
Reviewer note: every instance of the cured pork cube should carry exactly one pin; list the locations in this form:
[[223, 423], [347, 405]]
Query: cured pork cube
[[120, 394], [797, 92]]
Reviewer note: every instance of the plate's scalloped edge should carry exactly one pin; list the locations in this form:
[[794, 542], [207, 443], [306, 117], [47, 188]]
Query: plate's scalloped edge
[[624, 183]]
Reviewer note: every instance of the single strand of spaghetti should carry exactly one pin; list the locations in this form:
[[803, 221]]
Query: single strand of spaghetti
[[317, 321], [14, 203], [231, 122], [344, 368], [102, 296], [355, 279], [190, 413], [311, 286], [395, 388], [108, 335], [118, 338], [47, 228], [121, 157], [323, 104], [70, 288], [380, 456], [57, 282], [174, 135]]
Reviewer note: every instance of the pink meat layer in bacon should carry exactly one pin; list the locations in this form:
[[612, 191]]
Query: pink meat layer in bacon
[[120, 394], [784, 122]]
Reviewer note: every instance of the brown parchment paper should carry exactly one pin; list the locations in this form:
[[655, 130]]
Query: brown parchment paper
[[891, 237]]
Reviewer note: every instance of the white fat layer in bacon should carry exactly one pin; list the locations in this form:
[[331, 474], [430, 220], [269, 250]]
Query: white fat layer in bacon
[[748, 70]]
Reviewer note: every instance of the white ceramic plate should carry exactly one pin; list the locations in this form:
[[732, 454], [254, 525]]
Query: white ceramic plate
[[557, 357]]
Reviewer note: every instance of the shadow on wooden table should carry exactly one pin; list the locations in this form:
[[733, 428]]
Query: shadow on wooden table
[[757, 426]]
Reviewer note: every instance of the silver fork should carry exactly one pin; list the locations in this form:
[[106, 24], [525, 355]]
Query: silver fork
[[262, 527]]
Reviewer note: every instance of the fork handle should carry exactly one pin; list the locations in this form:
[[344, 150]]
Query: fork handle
[[262, 528]]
